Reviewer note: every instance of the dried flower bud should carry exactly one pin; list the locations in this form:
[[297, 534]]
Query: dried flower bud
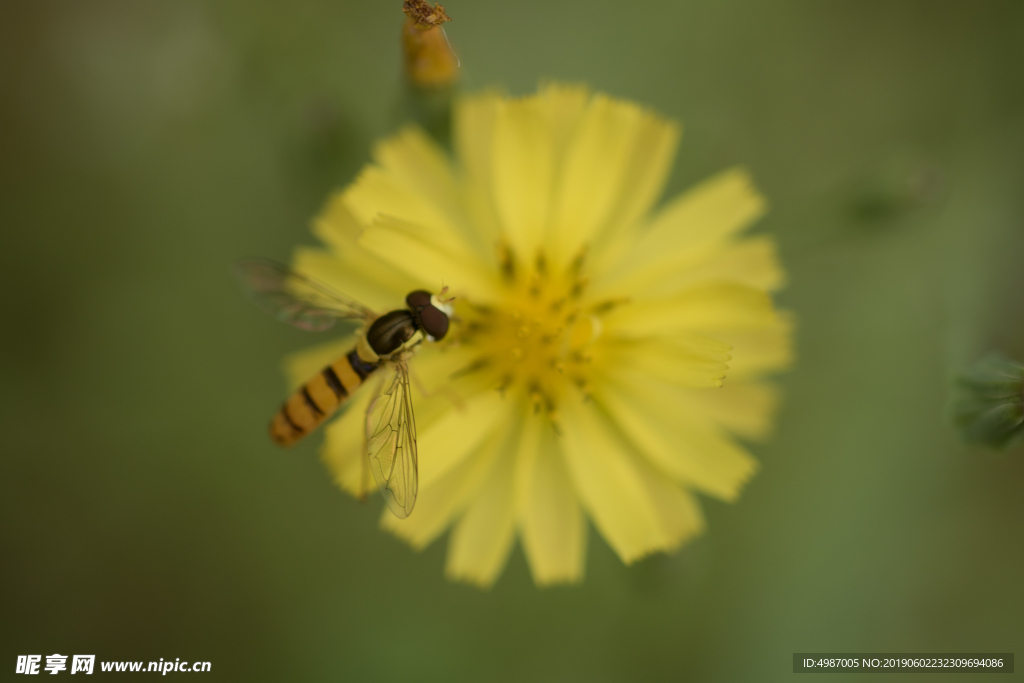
[[990, 407], [423, 15], [430, 62]]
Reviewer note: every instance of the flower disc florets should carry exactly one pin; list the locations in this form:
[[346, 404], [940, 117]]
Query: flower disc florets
[[539, 338]]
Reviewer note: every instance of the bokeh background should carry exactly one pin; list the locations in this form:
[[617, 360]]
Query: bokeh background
[[143, 512]]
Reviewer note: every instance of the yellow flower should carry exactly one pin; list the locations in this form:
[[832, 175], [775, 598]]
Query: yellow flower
[[583, 375]]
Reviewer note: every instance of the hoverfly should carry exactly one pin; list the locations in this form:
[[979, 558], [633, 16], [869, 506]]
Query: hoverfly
[[386, 340]]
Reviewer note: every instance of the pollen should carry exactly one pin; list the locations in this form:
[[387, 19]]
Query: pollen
[[539, 340]]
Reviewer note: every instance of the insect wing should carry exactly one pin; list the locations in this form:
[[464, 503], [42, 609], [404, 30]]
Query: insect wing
[[296, 299], [391, 442]]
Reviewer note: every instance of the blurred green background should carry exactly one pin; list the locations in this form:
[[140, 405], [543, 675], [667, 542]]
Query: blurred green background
[[145, 514]]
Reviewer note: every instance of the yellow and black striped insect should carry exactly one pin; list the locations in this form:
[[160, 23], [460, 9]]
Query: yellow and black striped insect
[[386, 340]]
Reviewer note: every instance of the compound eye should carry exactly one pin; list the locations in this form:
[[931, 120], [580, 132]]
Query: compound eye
[[434, 321], [417, 299]]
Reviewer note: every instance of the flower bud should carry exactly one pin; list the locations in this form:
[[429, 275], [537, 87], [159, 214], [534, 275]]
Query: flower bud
[[990, 405], [430, 62]]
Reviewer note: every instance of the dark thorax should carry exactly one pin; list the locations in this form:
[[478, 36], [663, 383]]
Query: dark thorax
[[389, 332]]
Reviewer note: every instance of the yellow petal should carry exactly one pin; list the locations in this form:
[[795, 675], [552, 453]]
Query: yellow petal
[[610, 487], [614, 169], [355, 271], [336, 225], [459, 432], [751, 262], [742, 317], [473, 132], [715, 209], [746, 409], [699, 309], [550, 520], [436, 396], [444, 498], [382, 290], [685, 359], [685, 231], [412, 182], [523, 167], [482, 539], [565, 106], [433, 366], [677, 510], [690, 449], [758, 350], [409, 248], [423, 169]]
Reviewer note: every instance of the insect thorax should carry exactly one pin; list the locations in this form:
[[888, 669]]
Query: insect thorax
[[390, 332]]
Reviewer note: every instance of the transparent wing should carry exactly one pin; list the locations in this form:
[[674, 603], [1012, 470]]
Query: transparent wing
[[296, 299], [391, 442]]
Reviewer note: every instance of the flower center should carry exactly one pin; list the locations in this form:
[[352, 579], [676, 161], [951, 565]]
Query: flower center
[[537, 340]]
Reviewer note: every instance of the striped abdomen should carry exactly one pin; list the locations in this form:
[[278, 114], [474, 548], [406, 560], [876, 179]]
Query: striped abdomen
[[318, 398]]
